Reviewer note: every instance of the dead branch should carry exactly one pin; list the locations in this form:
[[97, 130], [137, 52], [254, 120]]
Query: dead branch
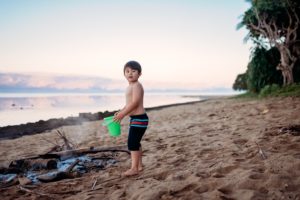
[[95, 182], [69, 145], [69, 169], [78, 152], [36, 193], [49, 141], [260, 151], [8, 183], [112, 179]]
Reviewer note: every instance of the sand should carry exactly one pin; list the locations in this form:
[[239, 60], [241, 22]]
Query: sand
[[205, 150]]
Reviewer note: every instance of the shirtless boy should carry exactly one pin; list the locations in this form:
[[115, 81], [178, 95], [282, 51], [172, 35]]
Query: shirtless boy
[[138, 118]]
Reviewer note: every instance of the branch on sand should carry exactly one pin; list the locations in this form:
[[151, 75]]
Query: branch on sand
[[260, 151], [36, 193], [78, 152], [97, 178]]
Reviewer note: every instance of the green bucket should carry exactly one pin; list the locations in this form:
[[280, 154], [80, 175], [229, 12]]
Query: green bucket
[[114, 128]]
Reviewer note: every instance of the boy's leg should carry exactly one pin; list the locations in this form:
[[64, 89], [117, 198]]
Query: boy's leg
[[134, 164], [140, 167]]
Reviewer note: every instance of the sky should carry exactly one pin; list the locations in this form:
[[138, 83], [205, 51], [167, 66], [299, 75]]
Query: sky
[[178, 42]]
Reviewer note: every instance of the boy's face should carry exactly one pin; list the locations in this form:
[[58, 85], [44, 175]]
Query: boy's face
[[132, 75]]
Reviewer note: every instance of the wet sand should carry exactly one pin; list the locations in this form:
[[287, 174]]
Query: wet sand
[[205, 150]]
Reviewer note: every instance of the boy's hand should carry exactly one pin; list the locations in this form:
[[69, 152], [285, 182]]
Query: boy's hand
[[118, 116]]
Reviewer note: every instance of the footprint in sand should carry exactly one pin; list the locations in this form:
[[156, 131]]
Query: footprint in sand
[[179, 176], [161, 147], [256, 176], [221, 172], [234, 154], [178, 160], [227, 169], [162, 175], [159, 140], [177, 192], [293, 147], [259, 169], [297, 155], [240, 160], [225, 190], [180, 150], [217, 175], [205, 151], [202, 189], [211, 135], [173, 145], [206, 154], [202, 174], [241, 141]]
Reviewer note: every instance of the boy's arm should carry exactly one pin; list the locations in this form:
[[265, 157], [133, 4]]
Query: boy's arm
[[137, 95]]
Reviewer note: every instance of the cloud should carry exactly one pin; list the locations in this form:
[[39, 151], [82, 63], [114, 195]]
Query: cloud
[[41, 82], [56, 81]]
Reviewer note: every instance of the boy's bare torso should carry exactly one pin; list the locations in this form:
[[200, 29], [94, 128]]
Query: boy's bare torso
[[135, 92]]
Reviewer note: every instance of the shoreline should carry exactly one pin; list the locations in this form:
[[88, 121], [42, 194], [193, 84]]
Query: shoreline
[[32, 128]]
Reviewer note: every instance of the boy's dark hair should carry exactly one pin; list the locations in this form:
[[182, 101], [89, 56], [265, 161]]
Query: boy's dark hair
[[133, 65]]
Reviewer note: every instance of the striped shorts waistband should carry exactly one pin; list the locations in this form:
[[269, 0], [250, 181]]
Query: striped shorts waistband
[[143, 123]]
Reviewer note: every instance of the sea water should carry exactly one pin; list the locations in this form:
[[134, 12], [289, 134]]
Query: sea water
[[20, 108]]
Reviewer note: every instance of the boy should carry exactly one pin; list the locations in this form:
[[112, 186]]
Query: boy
[[138, 118]]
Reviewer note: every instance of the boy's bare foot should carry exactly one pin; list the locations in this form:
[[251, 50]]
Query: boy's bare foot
[[140, 169], [131, 172]]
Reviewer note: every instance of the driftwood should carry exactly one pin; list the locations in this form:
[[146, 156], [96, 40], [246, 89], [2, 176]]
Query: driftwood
[[33, 164], [43, 164], [10, 170], [58, 175], [17, 164], [9, 182], [78, 152]]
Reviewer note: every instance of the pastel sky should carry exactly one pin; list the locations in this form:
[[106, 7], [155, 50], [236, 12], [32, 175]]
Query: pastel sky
[[192, 42]]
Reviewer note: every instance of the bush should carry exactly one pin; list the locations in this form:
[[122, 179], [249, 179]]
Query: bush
[[269, 90], [277, 91]]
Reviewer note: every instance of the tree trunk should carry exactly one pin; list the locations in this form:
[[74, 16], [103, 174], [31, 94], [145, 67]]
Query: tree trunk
[[286, 65]]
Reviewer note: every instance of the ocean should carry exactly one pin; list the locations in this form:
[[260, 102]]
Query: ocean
[[20, 108]]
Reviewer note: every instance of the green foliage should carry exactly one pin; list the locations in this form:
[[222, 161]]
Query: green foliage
[[277, 91], [262, 69], [273, 90], [240, 82], [269, 89]]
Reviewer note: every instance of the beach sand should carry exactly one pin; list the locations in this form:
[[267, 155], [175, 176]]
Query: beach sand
[[205, 150]]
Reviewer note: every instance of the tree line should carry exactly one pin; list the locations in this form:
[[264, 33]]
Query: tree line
[[273, 27]]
